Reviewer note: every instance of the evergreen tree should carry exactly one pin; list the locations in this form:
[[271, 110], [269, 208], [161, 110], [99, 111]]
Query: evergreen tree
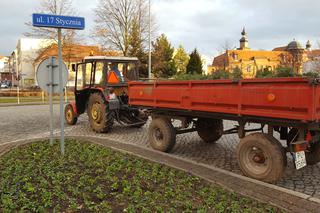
[[195, 64], [136, 48], [162, 61], [181, 59], [237, 73]]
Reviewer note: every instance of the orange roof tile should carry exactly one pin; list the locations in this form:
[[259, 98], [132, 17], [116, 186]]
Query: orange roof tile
[[74, 53], [220, 60]]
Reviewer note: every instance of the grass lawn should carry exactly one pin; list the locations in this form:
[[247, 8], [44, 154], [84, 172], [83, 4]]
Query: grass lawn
[[92, 178]]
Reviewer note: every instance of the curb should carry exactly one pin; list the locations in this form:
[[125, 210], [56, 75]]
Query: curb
[[286, 199], [27, 104]]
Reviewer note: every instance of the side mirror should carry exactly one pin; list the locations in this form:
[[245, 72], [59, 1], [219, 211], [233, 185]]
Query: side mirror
[[73, 67]]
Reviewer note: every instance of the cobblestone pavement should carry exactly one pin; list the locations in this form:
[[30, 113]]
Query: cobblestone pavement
[[25, 122]]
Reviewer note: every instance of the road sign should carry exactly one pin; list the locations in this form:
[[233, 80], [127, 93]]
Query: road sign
[[56, 21], [59, 22], [48, 74]]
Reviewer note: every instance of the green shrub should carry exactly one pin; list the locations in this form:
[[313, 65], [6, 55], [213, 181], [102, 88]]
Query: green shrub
[[285, 72], [264, 73], [311, 74], [221, 74]]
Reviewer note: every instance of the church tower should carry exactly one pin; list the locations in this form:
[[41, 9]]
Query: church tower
[[244, 42], [308, 45]]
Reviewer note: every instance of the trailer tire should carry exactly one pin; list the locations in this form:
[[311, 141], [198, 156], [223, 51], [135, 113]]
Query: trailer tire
[[313, 156], [162, 135], [261, 157], [70, 115], [100, 118], [209, 130]]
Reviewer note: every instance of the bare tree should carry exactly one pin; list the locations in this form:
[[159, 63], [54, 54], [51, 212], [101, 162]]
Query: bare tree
[[118, 20], [55, 7], [226, 46]]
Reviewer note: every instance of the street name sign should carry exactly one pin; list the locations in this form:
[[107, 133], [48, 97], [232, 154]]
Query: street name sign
[[57, 21]]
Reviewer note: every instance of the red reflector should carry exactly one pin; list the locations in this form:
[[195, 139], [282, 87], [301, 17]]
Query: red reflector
[[309, 137]]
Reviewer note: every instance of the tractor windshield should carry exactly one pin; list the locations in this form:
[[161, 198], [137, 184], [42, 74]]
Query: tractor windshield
[[124, 71]]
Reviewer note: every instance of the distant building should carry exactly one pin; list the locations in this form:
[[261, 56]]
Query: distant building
[[250, 61], [29, 52], [72, 54], [5, 72], [22, 58]]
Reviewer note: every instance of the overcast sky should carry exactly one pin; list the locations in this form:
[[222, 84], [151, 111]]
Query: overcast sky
[[205, 24]]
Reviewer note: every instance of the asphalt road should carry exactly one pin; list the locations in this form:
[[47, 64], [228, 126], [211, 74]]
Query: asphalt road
[[26, 122]]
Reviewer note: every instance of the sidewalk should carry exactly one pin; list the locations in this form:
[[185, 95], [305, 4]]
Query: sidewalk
[[288, 200]]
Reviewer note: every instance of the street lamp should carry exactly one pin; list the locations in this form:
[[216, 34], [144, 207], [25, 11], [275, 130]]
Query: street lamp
[[149, 64]]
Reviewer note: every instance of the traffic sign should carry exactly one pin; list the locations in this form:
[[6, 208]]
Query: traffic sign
[[57, 21], [48, 74]]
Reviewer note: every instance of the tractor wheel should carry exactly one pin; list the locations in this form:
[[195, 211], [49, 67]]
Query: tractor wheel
[[162, 135], [70, 115], [313, 154], [261, 157], [209, 130], [101, 120]]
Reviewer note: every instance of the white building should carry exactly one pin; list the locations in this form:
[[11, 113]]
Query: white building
[[4, 64], [5, 73], [23, 57]]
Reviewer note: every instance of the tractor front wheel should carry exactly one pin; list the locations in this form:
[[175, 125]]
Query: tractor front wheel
[[100, 118]]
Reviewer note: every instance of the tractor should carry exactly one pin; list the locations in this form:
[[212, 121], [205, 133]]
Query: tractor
[[101, 87]]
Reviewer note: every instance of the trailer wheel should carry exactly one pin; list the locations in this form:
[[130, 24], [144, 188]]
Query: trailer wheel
[[162, 135], [313, 155], [70, 115], [261, 157], [209, 130], [100, 118]]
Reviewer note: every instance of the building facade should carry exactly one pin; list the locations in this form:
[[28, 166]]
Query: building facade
[[23, 57], [29, 53], [250, 61], [5, 73]]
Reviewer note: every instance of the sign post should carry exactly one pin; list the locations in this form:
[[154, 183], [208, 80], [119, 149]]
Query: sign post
[[59, 22]]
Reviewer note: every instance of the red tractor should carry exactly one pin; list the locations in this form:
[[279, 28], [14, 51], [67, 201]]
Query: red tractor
[[101, 86]]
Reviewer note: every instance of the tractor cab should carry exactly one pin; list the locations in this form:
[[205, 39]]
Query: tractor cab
[[101, 87]]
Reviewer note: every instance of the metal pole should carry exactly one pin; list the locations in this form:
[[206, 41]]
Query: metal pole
[[18, 94], [61, 92], [50, 99], [149, 67]]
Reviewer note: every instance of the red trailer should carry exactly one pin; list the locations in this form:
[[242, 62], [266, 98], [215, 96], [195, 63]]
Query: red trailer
[[290, 106]]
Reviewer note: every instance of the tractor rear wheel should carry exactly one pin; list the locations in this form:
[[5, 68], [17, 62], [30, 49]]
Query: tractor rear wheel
[[70, 115], [261, 157], [162, 135], [101, 120], [209, 130]]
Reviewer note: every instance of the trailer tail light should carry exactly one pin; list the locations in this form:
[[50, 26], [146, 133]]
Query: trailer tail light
[[309, 137], [299, 146]]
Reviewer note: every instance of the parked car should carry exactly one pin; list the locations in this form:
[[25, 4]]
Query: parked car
[[5, 84]]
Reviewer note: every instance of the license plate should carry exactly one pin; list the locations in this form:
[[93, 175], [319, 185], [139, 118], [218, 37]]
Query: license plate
[[300, 160]]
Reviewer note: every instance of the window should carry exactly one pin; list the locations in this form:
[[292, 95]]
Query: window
[[249, 68], [80, 77], [88, 73], [99, 77]]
